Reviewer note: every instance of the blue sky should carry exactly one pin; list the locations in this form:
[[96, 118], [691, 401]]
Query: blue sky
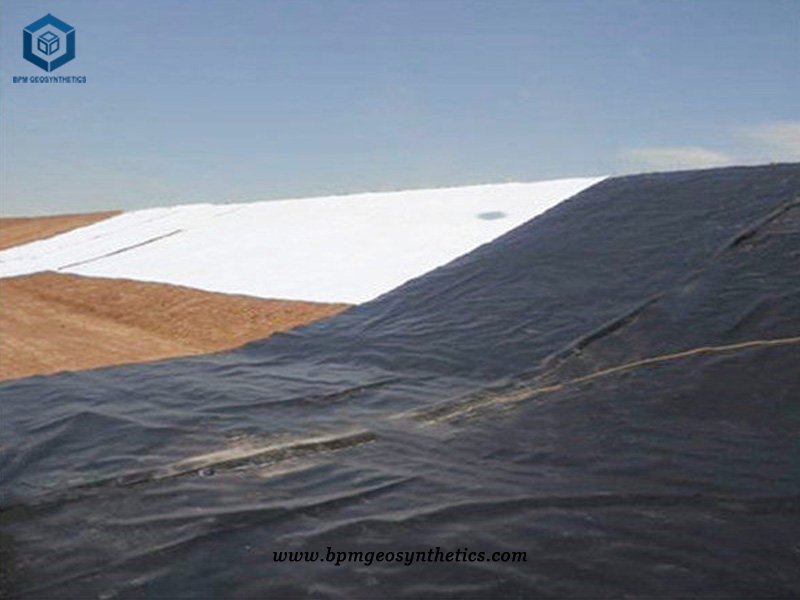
[[198, 101]]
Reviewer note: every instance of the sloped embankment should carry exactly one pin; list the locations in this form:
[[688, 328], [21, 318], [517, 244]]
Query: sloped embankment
[[15, 231], [611, 388], [51, 322]]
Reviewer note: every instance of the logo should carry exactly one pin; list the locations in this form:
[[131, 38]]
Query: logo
[[55, 43]]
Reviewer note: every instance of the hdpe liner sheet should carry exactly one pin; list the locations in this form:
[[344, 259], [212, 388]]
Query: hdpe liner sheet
[[612, 388]]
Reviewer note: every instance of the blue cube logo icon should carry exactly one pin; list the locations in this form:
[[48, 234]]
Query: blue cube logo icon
[[46, 54], [48, 43]]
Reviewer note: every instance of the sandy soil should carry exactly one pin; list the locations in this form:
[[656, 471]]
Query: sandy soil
[[52, 322], [21, 230]]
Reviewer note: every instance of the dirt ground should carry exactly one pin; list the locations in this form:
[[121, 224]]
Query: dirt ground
[[51, 322], [21, 230]]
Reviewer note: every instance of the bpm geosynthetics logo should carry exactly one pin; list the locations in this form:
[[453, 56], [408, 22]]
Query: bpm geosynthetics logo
[[48, 43]]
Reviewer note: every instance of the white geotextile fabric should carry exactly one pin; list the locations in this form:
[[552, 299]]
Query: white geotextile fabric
[[333, 249]]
